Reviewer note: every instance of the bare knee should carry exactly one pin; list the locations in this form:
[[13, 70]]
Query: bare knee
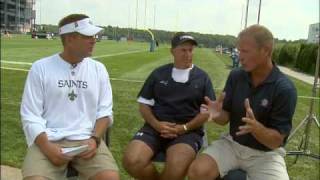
[[197, 171], [171, 173], [203, 168], [179, 158], [176, 167], [133, 162], [107, 174], [137, 156]]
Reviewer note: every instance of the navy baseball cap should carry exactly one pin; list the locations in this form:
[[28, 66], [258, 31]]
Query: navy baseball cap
[[181, 37]]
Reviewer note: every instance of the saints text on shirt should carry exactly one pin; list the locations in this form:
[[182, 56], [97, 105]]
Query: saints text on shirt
[[72, 83]]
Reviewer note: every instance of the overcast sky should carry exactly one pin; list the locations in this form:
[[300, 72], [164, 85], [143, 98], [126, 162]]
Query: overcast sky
[[287, 19]]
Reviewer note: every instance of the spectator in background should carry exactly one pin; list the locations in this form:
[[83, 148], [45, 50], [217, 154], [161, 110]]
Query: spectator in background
[[7, 34], [235, 58]]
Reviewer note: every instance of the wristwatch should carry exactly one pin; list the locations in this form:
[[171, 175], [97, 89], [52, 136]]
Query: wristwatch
[[185, 127], [96, 139]]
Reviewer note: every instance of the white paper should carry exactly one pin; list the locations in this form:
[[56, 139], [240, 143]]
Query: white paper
[[73, 151]]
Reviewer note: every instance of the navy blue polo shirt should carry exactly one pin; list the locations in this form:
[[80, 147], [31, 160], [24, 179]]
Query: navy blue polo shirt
[[174, 101], [273, 103]]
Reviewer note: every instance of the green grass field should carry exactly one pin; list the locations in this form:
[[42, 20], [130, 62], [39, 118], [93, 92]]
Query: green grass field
[[128, 65]]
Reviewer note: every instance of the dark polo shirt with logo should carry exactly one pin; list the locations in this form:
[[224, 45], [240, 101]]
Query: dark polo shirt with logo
[[273, 103], [174, 101]]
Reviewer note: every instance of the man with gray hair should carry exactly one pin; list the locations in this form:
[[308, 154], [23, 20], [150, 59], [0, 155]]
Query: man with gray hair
[[67, 107], [258, 102]]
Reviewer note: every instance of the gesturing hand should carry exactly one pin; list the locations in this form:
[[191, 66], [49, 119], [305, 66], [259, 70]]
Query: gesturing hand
[[213, 108], [252, 125]]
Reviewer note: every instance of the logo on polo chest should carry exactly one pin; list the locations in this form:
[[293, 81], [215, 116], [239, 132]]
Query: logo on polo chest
[[264, 102], [164, 82]]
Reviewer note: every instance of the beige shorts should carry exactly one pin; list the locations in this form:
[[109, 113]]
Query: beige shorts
[[259, 165], [37, 164]]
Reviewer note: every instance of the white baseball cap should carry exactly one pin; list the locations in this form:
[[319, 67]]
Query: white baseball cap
[[83, 26]]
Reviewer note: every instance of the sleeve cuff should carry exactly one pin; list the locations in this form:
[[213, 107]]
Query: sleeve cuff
[[110, 116], [32, 131], [143, 100]]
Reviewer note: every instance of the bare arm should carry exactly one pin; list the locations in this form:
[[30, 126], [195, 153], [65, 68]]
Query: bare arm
[[148, 116], [101, 126], [266, 136], [99, 130], [222, 119], [166, 129], [51, 150], [197, 121]]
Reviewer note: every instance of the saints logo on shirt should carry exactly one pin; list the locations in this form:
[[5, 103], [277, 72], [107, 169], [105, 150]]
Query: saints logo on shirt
[[72, 96]]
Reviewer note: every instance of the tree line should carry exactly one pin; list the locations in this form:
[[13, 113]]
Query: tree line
[[204, 40], [295, 54]]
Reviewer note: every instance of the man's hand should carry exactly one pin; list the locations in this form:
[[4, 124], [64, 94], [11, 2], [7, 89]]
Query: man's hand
[[180, 129], [54, 154], [213, 108], [166, 129], [176, 131], [92, 149], [252, 125]]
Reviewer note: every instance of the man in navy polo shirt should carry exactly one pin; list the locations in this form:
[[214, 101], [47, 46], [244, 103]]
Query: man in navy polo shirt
[[170, 101], [258, 102]]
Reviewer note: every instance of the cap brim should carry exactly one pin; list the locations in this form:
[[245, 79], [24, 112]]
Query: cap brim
[[190, 40], [90, 30], [194, 42]]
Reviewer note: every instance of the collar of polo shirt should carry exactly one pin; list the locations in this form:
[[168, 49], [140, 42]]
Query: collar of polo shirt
[[83, 26]]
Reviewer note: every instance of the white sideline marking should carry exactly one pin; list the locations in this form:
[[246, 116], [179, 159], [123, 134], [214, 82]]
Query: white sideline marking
[[16, 62], [106, 55], [126, 80], [139, 81], [114, 79], [309, 97], [121, 53], [15, 69]]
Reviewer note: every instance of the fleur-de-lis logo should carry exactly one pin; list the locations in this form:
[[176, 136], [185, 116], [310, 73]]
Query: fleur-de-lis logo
[[72, 96]]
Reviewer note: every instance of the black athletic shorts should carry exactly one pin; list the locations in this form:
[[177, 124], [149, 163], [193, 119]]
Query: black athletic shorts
[[152, 138]]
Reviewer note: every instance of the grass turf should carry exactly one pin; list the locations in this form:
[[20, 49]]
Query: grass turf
[[127, 67]]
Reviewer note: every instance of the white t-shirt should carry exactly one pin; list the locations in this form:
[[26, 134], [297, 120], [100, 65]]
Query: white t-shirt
[[178, 75], [64, 101]]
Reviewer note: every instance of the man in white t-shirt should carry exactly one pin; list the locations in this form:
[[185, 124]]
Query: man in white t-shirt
[[67, 102]]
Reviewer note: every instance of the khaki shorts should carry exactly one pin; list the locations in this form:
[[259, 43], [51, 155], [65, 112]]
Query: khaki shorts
[[259, 165], [37, 164]]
